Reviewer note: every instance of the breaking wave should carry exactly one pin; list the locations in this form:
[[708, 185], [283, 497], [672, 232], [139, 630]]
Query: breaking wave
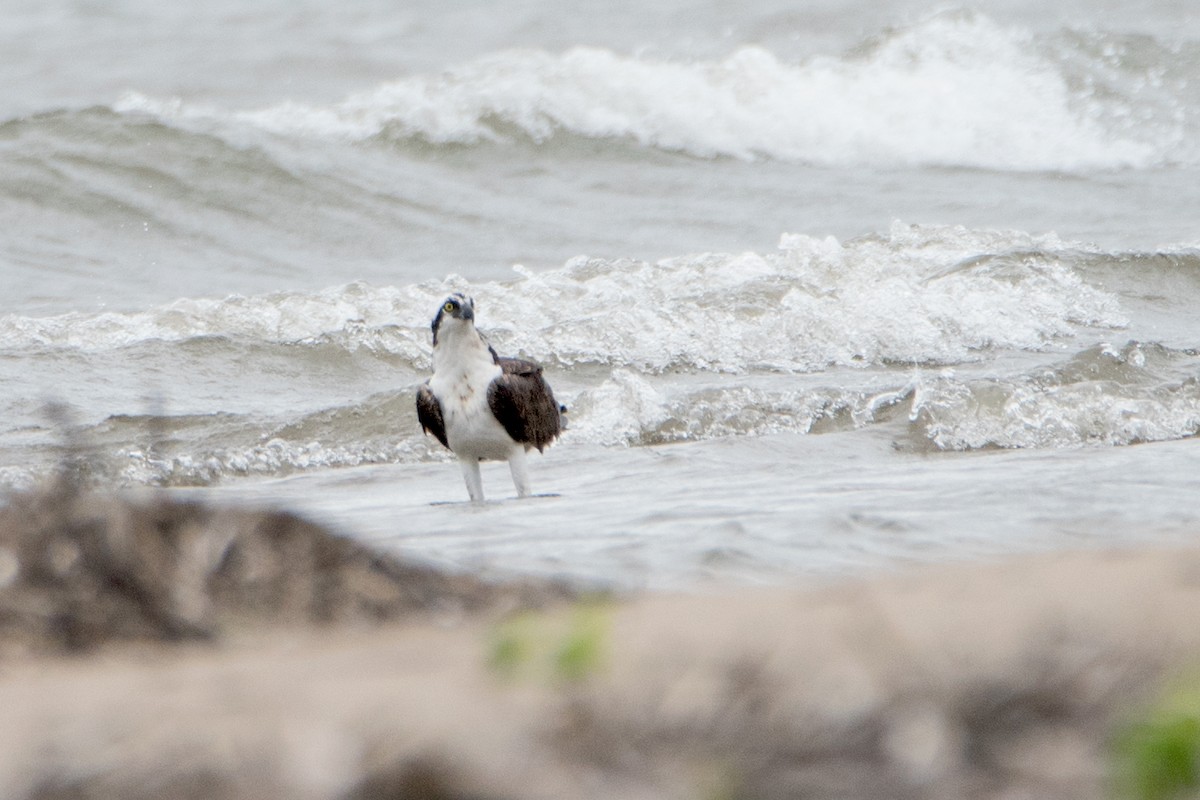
[[921, 295], [954, 89], [928, 332], [1103, 396], [352, 316], [757, 334]]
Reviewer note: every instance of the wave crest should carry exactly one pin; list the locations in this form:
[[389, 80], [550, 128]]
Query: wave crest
[[921, 295], [954, 89], [1103, 396], [924, 295]]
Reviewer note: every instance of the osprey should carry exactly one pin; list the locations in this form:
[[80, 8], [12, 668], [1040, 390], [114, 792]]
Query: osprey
[[482, 406]]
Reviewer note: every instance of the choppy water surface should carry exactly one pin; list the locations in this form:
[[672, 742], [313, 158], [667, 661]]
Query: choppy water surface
[[824, 289]]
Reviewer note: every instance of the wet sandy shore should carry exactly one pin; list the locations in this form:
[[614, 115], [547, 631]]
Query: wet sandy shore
[[162, 650]]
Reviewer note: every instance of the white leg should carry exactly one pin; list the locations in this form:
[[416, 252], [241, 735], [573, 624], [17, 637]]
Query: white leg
[[520, 474], [470, 471]]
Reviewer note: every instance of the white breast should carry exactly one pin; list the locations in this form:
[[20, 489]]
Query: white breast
[[471, 430]]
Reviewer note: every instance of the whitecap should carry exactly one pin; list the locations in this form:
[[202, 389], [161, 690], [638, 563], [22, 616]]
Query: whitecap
[[955, 89]]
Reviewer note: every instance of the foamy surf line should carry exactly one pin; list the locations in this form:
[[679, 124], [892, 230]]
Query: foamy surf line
[[1104, 396], [919, 295], [954, 90], [364, 313]]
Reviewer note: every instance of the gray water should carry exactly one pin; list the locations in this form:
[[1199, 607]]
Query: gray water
[[827, 286]]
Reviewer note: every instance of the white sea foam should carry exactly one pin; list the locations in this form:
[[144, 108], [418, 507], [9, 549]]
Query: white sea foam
[[1045, 409], [1102, 396], [958, 415], [917, 295], [272, 457], [359, 315], [627, 410], [955, 89]]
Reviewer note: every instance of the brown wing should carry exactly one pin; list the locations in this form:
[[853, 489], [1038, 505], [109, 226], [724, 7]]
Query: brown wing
[[429, 413], [524, 404]]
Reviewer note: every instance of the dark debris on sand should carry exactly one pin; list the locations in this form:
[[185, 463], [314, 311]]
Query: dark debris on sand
[[996, 681], [78, 570]]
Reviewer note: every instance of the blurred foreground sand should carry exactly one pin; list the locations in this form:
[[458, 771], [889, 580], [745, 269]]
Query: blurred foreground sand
[[165, 650]]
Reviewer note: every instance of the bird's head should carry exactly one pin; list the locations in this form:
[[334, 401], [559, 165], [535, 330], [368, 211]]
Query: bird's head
[[457, 312]]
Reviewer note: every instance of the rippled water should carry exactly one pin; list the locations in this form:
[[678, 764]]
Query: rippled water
[[824, 287]]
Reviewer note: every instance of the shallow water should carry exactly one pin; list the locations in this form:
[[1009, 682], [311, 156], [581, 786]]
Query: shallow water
[[826, 287], [691, 515]]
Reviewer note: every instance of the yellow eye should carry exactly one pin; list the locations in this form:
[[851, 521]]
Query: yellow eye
[[448, 308]]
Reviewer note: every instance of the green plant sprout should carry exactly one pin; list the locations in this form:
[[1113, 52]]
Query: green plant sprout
[[566, 649], [1157, 755]]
